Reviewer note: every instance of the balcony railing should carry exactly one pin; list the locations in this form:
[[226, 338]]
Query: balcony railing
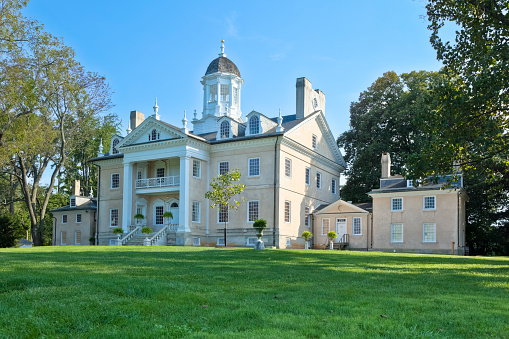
[[158, 182]]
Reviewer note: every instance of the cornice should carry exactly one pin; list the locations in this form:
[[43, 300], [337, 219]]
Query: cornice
[[163, 144], [415, 192], [249, 143], [311, 153]]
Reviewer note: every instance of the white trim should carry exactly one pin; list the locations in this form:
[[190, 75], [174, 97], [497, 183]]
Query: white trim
[[288, 242], [392, 205], [319, 174], [258, 212], [118, 217], [334, 186], [289, 212], [392, 230], [62, 238], [424, 235], [328, 220], [219, 166], [307, 175], [424, 203], [289, 161], [360, 226], [314, 140], [220, 241], [64, 215], [81, 217], [228, 216], [76, 238], [199, 168], [254, 240], [196, 241], [199, 212], [157, 203], [249, 167], [111, 182]]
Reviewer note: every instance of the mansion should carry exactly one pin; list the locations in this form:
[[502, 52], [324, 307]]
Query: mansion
[[289, 164]]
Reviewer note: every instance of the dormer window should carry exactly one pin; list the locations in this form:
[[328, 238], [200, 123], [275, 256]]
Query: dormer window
[[73, 202], [254, 125], [154, 135], [225, 130], [114, 146]]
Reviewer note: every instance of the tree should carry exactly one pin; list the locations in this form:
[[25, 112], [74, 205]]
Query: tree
[[223, 192], [7, 231], [382, 120]]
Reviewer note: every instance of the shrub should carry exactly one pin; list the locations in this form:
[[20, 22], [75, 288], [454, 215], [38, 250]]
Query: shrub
[[139, 216], [332, 235], [307, 235], [118, 230], [167, 214], [146, 230], [260, 224], [91, 240]]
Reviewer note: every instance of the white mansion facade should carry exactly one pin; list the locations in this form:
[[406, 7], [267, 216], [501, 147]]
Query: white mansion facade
[[289, 164]]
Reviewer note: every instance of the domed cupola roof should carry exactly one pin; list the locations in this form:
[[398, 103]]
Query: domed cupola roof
[[223, 65]]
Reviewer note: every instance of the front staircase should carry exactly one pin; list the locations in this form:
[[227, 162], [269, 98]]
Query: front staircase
[[136, 240], [342, 244]]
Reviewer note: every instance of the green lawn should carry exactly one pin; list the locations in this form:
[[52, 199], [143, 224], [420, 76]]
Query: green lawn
[[133, 292]]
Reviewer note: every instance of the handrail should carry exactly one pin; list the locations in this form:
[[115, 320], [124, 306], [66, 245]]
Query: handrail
[[158, 182], [158, 236], [129, 235], [172, 227]]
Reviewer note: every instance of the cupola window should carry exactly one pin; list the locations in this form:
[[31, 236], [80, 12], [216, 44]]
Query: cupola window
[[254, 125], [154, 135], [225, 92], [213, 93], [225, 130], [235, 96], [114, 148]]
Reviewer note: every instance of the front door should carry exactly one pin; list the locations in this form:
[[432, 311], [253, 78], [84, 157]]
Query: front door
[[174, 209], [340, 228]]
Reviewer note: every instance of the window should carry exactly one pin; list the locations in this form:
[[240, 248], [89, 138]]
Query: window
[[225, 130], [159, 220], [429, 203], [196, 211], [196, 241], [196, 168], [114, 217], [409, 183], [254, 125], [154, 135], [139, 175], [357, 229], [325, 226], [333, 186], [220, 241], [306, 216], [63, 238], [160, 173], [319, 180], [115, 180], [77, 238], [288, 210], [73, 202], [64, 218], [213, 93], [288, 242], [313, 142], [139, 210], [254, 167], [114, 146], [224, 167], [308, 176], [397, 204], [429, 232], [251, 241], [225, 93], [397, 233], [222, 214], [235, 95], [78, 218], [252, 210], [113, 242], [288, 167]]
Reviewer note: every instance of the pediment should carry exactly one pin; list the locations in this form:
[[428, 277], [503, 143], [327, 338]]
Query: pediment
[[142, 134], [341, 206]]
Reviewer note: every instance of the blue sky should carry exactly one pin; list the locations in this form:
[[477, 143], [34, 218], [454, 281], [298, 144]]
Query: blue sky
[[149, 49]]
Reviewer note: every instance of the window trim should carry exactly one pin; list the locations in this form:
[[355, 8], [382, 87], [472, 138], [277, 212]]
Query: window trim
[[289, 212], [328, 219], [319, 182], [63, 243], [196, 161], [307, 176], [307, 218], [423, 234], [118, 217], [227, 216], [76, 238], [333, 186], [392, 233], [255, 239], [111, 184], [434, 203], [288, 161], [64, 215], [219, 166], [392, 205], [360, 226], [227, 129], [251, 123], [198, 221], [220, 239], [199, 241], [257, 212], [154, 208], [249, 167], [72, 201], [314, 142], [81, 218]]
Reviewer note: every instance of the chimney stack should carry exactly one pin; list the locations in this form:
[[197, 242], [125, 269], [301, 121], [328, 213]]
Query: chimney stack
[[307, 99], [76, 188], [386, 165], [136, 119]]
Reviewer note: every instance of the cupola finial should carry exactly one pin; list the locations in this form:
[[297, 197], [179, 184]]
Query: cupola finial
[[184, 124], [279, 127], [129, 130], [100, 153], [156, 109], [222, 54]]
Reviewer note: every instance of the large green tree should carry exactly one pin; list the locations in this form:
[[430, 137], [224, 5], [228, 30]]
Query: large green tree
[[382, 120]]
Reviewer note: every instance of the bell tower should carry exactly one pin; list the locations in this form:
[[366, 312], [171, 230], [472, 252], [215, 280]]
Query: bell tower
[[221, 88]]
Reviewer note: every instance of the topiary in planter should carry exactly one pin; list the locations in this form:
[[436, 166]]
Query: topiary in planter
[[118, 230], [167, 214], [307, 235], [146, 230], [260, 224], [332, 235]]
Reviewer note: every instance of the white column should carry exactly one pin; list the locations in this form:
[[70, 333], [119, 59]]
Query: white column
[[127, 197], [184, 195], [208, 201]]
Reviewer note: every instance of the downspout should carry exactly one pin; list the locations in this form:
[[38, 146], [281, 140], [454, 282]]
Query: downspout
[[458, 219], [54, 231], [367, 235], [275, 204], [98, 197]]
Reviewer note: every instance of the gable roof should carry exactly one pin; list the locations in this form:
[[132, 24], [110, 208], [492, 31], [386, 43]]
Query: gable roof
[[334, 208], [147, 125], [89, 205]]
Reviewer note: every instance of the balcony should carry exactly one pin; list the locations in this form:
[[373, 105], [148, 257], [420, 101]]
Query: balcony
[[157, 185]]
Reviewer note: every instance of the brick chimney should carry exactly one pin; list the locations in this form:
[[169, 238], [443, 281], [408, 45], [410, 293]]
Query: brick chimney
[[136, 119], [76, 188], [308, 100], [386, 165]]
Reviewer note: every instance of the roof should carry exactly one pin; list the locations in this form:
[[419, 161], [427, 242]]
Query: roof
[[89, 205], [399, 184], [107, 156], [222, 65], [368, 206]]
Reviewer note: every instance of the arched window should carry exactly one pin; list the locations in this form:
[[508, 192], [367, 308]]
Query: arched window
[[254, 125], [154, 135], [225, 130], [174, 204], [115, 143]]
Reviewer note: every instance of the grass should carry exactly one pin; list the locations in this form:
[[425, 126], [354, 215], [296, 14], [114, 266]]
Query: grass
[[133, 292]]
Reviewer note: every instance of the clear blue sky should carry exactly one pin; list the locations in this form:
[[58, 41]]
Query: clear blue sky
[[148, 49]]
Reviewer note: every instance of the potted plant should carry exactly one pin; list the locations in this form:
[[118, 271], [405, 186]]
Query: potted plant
[[119, 231], [146, 231], [167, 215], [139, 217], [332, 235], [259, 225], [307, 236]]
